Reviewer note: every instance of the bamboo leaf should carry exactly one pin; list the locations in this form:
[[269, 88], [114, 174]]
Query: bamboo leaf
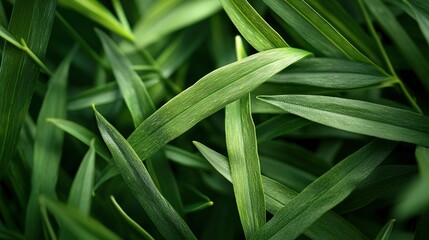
[[252, 26], [279, 125], [421, 12], [357, 116], [19, 73], [324, 193], [244, 160], [208, 95], [400, 37], [81, 225], [135, 175], [47, 146], [278, 195], [320, 32]]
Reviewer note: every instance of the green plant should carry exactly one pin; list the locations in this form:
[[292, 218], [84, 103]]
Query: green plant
[[116, 118]]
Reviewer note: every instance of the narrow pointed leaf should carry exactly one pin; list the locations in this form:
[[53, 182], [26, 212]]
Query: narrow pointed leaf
[[252, 26], [357, 116], [81, 226], [207, 96], [324, 193], [385, 232], [278, 195], [19, 72], [47, 146], [135, 175], [279, 125]]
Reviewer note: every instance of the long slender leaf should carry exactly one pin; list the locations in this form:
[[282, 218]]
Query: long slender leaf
[[278, 195], [385, 232], [162, 214], [81, 225], [357, 116], [208, 95], [18, 74], [324, 193], [244, 160], [47, 146], [141, 106], [279, 125], [401, 39], [252, 26]]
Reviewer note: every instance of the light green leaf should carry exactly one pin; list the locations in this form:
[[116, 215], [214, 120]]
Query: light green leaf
[[279, 125], [82, 134], [384, 233], [357, 116], [47, 146], [80, 225], [166, 17], [186, 158], [324, 193], [99, 13], [166, 219], [208, 95], [252, 26], [278, 195], [400, 37], [103, 94], [19, 73], [319, 31], [244, 160]]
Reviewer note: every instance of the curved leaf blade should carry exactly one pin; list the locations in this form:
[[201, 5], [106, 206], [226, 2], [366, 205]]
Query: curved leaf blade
[[208, 95], [357, 116], [166, 219]]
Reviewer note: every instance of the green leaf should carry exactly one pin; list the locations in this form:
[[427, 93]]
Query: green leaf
[[47, 146], [421, 12], [166, 219], [357, 116], [278, 195], [140, 106], [279, 125], [324, 193], [130, 221], [186, 158], [319, 31], [244, 160], [252, 26], [103, 94], [400, 37], [325, 73], [19, 73], [208, 95], [98, 13], [416, 199], [80, 225], [82, 134], [166, 17], [384, 233], [81, 190]]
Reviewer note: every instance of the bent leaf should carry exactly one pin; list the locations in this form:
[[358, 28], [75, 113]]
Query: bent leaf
[[208, 95], [357, 116]]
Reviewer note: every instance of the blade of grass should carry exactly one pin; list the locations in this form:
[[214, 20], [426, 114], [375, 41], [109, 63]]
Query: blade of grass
[[47, 146], [244, 160], [135, 175], [98, 13], [208, 95], [252, 26], [141, 107], [324, 193], [278, 195], [81, 189], [81, 225], [317, 30], [130, 221], [357, 116], [279, 125], [385, 232], [19, 73]]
